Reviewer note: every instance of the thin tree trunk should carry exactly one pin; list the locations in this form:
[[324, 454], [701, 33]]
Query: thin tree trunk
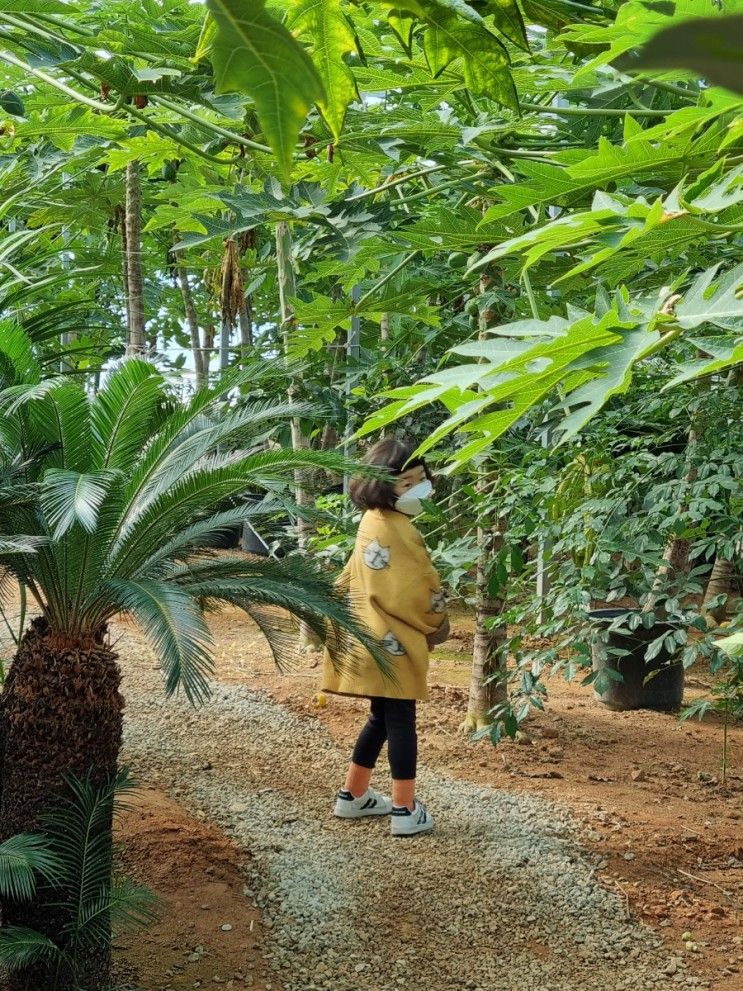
[[246, 324], [723, 571], [676, 554], [487, 681], [66, 695], [720, 583], [487, 686], [133, 242], [384, 327], [192, 320], [288, 291]]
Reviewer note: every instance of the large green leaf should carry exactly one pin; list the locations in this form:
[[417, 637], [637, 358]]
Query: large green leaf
[[485, 59], [725, 354], [508, 20], [325, 24], [255, 54], [710, 46], [719, 303]]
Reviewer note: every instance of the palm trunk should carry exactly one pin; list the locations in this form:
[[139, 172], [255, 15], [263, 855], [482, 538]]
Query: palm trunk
[[487, 686], [288, 291], [60, 713], [133, 248]]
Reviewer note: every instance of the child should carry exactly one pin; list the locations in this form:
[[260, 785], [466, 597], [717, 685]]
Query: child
[[395, 590]]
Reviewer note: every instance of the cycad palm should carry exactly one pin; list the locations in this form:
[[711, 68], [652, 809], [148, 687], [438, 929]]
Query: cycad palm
[[121, 493]]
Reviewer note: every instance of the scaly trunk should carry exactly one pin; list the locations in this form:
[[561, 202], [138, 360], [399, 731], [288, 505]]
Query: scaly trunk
[[133, 249], [60, 712], [288, 291]]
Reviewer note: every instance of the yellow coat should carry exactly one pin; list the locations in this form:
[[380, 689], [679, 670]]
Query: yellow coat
[[395, 591]]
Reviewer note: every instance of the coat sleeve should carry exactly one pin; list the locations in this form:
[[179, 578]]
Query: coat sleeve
[[397, 575]]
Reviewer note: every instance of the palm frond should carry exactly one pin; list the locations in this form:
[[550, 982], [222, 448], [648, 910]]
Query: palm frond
[[21, 947], [123, 413], [173, 622], [15, 397], [22, 857], [20, 365], [261, 587], [201, 533], [69, 497], [21, 544], [124, 905]]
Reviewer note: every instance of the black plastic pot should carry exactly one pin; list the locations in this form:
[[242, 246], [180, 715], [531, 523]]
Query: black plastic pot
[[664, 691]]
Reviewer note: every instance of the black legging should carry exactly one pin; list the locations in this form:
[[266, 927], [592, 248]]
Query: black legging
[[392, 720]]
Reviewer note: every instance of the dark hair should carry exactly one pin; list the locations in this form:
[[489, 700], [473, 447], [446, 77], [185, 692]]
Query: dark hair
[[378, 493]]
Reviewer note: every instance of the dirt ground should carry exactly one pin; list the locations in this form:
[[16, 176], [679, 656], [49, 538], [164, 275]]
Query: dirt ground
[[646, 788], [208, 933]]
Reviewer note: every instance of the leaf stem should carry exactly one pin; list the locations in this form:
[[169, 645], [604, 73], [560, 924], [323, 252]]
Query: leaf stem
[[383, 282], [594, 111], [222, 131]]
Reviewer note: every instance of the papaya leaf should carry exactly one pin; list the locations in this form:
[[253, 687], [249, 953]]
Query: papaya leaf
[[253, 53], [325, 24], [485, 59], [508, 20], [719, 303], [725, 356]]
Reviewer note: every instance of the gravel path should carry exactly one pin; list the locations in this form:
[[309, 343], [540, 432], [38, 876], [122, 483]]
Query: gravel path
[[500, 897]]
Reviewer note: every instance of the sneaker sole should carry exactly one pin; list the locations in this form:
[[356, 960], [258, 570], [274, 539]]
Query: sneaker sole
[[360, 815], [427, 828]]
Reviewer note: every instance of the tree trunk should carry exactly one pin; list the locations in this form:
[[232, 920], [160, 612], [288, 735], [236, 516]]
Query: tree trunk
[[193, 322], [287, 291], [133, 248], [60, 712], [720, 583], [488, 660], [486, 689], [676, 554], [246, 324], [384, 327]]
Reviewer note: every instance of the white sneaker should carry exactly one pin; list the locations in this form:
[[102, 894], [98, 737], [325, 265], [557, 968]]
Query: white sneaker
[[407, 823], [371, 803]]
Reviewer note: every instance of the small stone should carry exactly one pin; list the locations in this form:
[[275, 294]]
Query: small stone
[[359, 967], [672, 967], [549, 733], [523, 738], [638, 775], [687, 936], [226, 928], [629, 856]]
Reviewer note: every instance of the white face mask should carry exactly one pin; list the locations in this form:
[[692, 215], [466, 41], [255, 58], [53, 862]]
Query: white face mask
[[410, 502]]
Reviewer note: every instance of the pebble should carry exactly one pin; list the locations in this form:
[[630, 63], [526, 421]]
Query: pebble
[[330, 891]]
